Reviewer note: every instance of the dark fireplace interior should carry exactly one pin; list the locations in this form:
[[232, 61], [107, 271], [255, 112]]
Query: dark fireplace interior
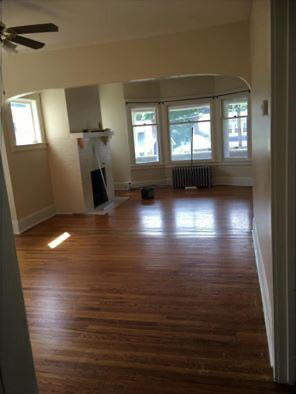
[[98, 188]]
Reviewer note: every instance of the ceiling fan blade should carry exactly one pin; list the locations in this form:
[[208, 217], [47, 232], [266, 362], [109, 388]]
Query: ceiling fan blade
[[27, 42], [28, 29]]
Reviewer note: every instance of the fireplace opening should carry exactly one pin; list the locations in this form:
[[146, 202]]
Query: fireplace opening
[[99, 192]]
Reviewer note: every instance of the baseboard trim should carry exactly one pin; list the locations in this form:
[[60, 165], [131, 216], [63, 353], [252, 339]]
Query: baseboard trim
[[15, 226], [264, 293], [233, 181], [217, 181], [27, 222], [137, 184]]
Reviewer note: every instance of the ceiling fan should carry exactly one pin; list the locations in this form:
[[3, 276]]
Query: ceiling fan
[[10, 36]]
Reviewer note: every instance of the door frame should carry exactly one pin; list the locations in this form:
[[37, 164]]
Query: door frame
[[283, 185]]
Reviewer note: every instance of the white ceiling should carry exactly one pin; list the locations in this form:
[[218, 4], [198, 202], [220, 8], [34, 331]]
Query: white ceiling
[[83, 22]]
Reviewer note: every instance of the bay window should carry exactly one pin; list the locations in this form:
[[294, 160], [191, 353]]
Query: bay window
[[190, 132], [144, 122]]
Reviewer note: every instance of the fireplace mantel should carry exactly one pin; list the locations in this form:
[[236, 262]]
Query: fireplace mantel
[[73, 154], [95, 153]]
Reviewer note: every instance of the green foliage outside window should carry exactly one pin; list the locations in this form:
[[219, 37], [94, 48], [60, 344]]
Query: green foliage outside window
[[180, 130]]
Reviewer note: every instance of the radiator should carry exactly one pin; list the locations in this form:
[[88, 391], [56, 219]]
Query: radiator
[[192, 176]]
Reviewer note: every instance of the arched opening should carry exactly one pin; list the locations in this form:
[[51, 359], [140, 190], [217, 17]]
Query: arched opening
[[90, 107], [197, 242]]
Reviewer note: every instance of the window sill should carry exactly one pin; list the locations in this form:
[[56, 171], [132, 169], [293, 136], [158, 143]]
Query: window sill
[[195, 163], [146, 166], [236, 161], [210, 163], [23, 148], [182, 163]]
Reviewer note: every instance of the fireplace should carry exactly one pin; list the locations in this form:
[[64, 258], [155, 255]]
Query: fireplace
[[94, 152], [98, 188]]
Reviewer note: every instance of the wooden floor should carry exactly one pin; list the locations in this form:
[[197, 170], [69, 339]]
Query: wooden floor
[[161, 297]]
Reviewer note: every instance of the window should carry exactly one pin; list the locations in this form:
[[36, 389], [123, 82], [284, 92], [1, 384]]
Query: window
[[235, 128], [190, 132], [145, 134], [26, 125]]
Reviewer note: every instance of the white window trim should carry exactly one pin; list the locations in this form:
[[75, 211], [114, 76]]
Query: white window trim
[[164, 135], [213, 139], [28, 147], [129, 108], [234, 160]]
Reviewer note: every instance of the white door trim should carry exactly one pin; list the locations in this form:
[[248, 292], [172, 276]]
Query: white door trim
[[283, 176]]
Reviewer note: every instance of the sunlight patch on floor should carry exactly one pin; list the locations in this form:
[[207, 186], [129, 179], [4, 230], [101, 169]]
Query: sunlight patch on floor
[[59, 240]]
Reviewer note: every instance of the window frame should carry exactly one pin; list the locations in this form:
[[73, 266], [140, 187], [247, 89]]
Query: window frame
[[234, 97], [33, 102], [197, 102], [144, 106]]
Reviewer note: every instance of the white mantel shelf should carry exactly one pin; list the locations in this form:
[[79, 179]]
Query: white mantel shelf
[[94, 134]]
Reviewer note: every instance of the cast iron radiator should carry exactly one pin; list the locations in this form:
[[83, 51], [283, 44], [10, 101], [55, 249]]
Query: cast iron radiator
[[192, 176]]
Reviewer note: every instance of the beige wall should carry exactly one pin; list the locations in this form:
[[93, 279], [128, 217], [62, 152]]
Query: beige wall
[[83, 108], [150, 175], [204, 51], [260, 62], [240, 175], [194, 86], [191, 86], [225, 84], [63, 153], [142, 90], [29, 174], [7, 177]]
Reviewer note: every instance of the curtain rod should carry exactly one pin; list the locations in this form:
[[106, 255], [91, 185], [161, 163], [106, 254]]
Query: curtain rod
[[187, 99]]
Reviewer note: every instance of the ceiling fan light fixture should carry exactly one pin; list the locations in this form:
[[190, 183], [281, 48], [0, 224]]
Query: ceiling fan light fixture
[[9, 46]]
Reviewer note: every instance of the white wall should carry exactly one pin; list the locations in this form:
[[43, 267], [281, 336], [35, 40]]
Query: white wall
[[260, 63], [113, 111]]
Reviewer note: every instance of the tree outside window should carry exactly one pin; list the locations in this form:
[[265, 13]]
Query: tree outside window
[[188, 125]]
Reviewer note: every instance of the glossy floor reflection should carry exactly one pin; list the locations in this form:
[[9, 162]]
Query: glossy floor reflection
[[193, 212], [157, 297]]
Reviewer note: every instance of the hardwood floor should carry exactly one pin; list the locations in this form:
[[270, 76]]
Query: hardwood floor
[[156, 297]]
